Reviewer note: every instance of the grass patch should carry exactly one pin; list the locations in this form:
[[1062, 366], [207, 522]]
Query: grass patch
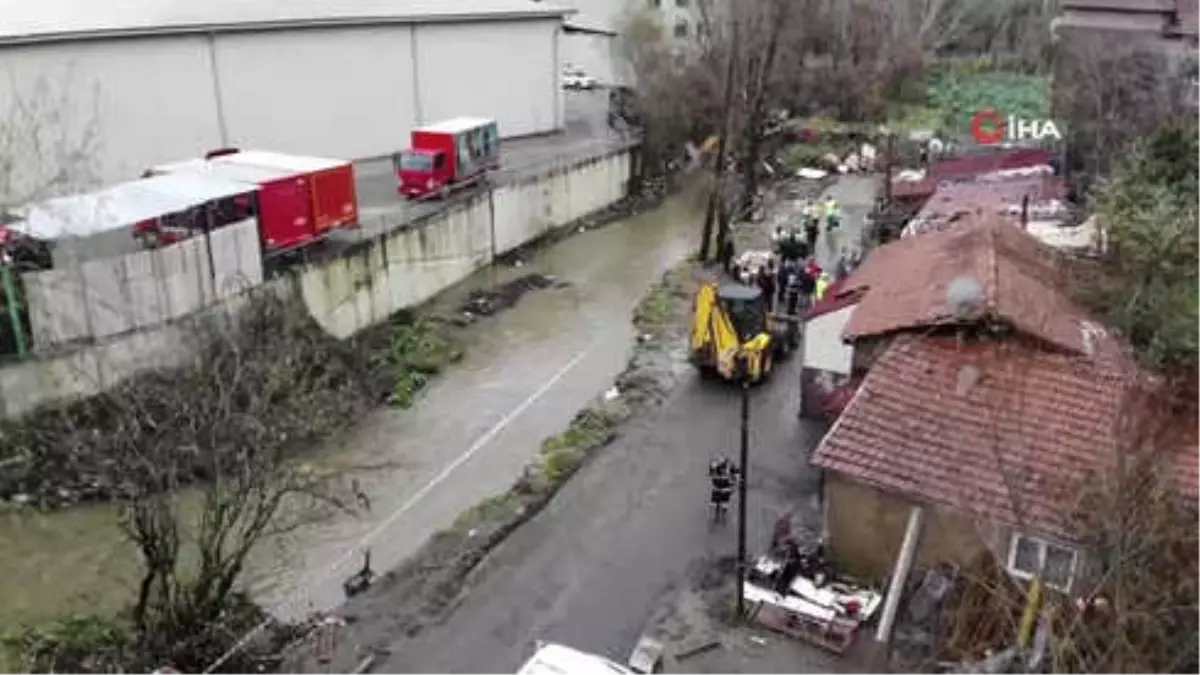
[[418, 351], [74, 644], [563, 453], [495, 506], [657, 308]]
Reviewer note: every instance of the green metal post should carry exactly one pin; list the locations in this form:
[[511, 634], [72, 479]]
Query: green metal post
[[14, 309]]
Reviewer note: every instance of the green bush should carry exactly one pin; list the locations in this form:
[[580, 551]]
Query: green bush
[[78, 644], [417, 351]]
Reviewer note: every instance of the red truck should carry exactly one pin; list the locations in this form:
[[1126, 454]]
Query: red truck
[[447, 156], [300, 199]]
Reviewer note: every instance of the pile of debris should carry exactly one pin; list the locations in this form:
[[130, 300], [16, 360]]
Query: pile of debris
[[488, 302]]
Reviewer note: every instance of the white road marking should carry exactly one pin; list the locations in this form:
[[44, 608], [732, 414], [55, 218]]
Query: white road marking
[[478, 445]]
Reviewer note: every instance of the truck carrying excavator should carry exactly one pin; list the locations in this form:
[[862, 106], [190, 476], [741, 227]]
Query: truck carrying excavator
[[730, 321]]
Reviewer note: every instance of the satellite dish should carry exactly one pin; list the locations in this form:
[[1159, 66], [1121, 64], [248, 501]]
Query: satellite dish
[[964, 297]]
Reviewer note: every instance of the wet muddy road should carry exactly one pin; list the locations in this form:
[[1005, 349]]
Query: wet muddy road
[[526, 373]]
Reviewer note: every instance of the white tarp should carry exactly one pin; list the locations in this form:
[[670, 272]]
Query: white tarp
[[123, 205]]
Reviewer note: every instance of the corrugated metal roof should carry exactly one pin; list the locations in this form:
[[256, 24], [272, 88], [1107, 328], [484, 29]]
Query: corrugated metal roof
[[47, 20], [123, 204]]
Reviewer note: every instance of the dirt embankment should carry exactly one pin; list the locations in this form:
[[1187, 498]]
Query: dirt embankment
[[428, 586]]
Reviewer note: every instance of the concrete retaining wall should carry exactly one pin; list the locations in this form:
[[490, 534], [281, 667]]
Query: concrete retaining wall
[[403, 269], [393, 272]]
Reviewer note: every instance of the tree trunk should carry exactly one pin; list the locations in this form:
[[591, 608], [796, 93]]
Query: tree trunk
[[719, 169]]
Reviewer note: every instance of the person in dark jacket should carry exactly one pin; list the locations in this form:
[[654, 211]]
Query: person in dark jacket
[[766, 282], [786, 269]]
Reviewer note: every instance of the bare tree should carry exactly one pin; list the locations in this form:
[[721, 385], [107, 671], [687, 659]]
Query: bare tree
[[49, 139]]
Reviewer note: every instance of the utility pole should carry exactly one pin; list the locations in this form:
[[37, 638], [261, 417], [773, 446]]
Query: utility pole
[[744, 467]]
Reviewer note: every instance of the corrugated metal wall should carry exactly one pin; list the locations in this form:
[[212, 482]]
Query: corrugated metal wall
[[345, 92]]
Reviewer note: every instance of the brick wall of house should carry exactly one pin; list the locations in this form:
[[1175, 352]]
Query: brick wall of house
[[865, 528]]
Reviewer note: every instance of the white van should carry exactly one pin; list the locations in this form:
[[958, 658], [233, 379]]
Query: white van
[[554, 659]]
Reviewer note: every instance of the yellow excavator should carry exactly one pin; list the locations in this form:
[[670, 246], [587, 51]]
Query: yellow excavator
[[730, 321]]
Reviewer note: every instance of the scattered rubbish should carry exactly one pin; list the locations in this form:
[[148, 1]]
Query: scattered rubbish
[[472, 532], [705, 646], [488, 302], [810, 173], [928, 597], [361, 580], [519, 263], [364, 665], [814, 605], [758, 641], [647, 656], [645, 337], [612, 394], [582, 229]]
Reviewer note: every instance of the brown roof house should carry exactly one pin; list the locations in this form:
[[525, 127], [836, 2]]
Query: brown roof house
[[986, 401]]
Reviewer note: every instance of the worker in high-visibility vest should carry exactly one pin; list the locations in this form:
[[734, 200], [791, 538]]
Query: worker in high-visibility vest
[[823, 283], [833, 214]]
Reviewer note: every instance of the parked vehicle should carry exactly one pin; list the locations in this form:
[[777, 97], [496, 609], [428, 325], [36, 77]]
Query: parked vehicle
[[299, 200], [556, 659], [447, 156], [332, 192], [575, 78]]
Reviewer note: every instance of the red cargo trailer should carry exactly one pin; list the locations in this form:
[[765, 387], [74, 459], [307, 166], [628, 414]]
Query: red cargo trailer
[[284, 209], [332, 194], [447, 156]]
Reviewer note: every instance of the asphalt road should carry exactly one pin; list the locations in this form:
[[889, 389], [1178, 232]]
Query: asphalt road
[[590, 569], [586, 133]]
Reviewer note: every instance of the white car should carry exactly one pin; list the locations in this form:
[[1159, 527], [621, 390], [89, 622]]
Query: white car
[[555, 659], [577, 79]]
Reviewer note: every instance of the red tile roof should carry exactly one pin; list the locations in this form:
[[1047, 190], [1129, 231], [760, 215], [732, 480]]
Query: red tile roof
[[954, 201], [961, 426], [903, 284], [835, 298]]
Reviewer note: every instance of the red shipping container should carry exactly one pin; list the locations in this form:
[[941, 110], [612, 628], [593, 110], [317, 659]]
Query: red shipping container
[[284, 199], [333, 197]]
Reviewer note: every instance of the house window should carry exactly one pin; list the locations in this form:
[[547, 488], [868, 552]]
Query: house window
[[1027, 556], [681, 28]]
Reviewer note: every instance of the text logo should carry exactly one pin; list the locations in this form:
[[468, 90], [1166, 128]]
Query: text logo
[[989, 127]]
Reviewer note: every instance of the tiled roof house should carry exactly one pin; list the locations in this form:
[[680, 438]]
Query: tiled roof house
[[989, 425]]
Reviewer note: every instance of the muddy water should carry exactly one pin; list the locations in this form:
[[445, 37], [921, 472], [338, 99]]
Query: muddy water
[[526, 373]]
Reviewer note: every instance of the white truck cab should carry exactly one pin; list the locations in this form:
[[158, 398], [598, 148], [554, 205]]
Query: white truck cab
[[556, 659]]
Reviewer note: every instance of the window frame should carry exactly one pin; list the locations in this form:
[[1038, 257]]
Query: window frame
[[1043, 545]]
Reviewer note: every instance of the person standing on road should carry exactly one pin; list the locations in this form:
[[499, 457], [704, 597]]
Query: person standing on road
[[766, 282], [823, 283], [833, 214]]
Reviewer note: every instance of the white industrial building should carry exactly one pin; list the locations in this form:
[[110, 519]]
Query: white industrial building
[[162, 80]]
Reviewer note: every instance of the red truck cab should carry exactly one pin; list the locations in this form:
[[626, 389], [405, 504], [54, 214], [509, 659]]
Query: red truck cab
[[446, 156]]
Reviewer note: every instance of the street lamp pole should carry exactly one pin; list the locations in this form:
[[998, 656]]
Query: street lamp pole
[[744, 467]]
